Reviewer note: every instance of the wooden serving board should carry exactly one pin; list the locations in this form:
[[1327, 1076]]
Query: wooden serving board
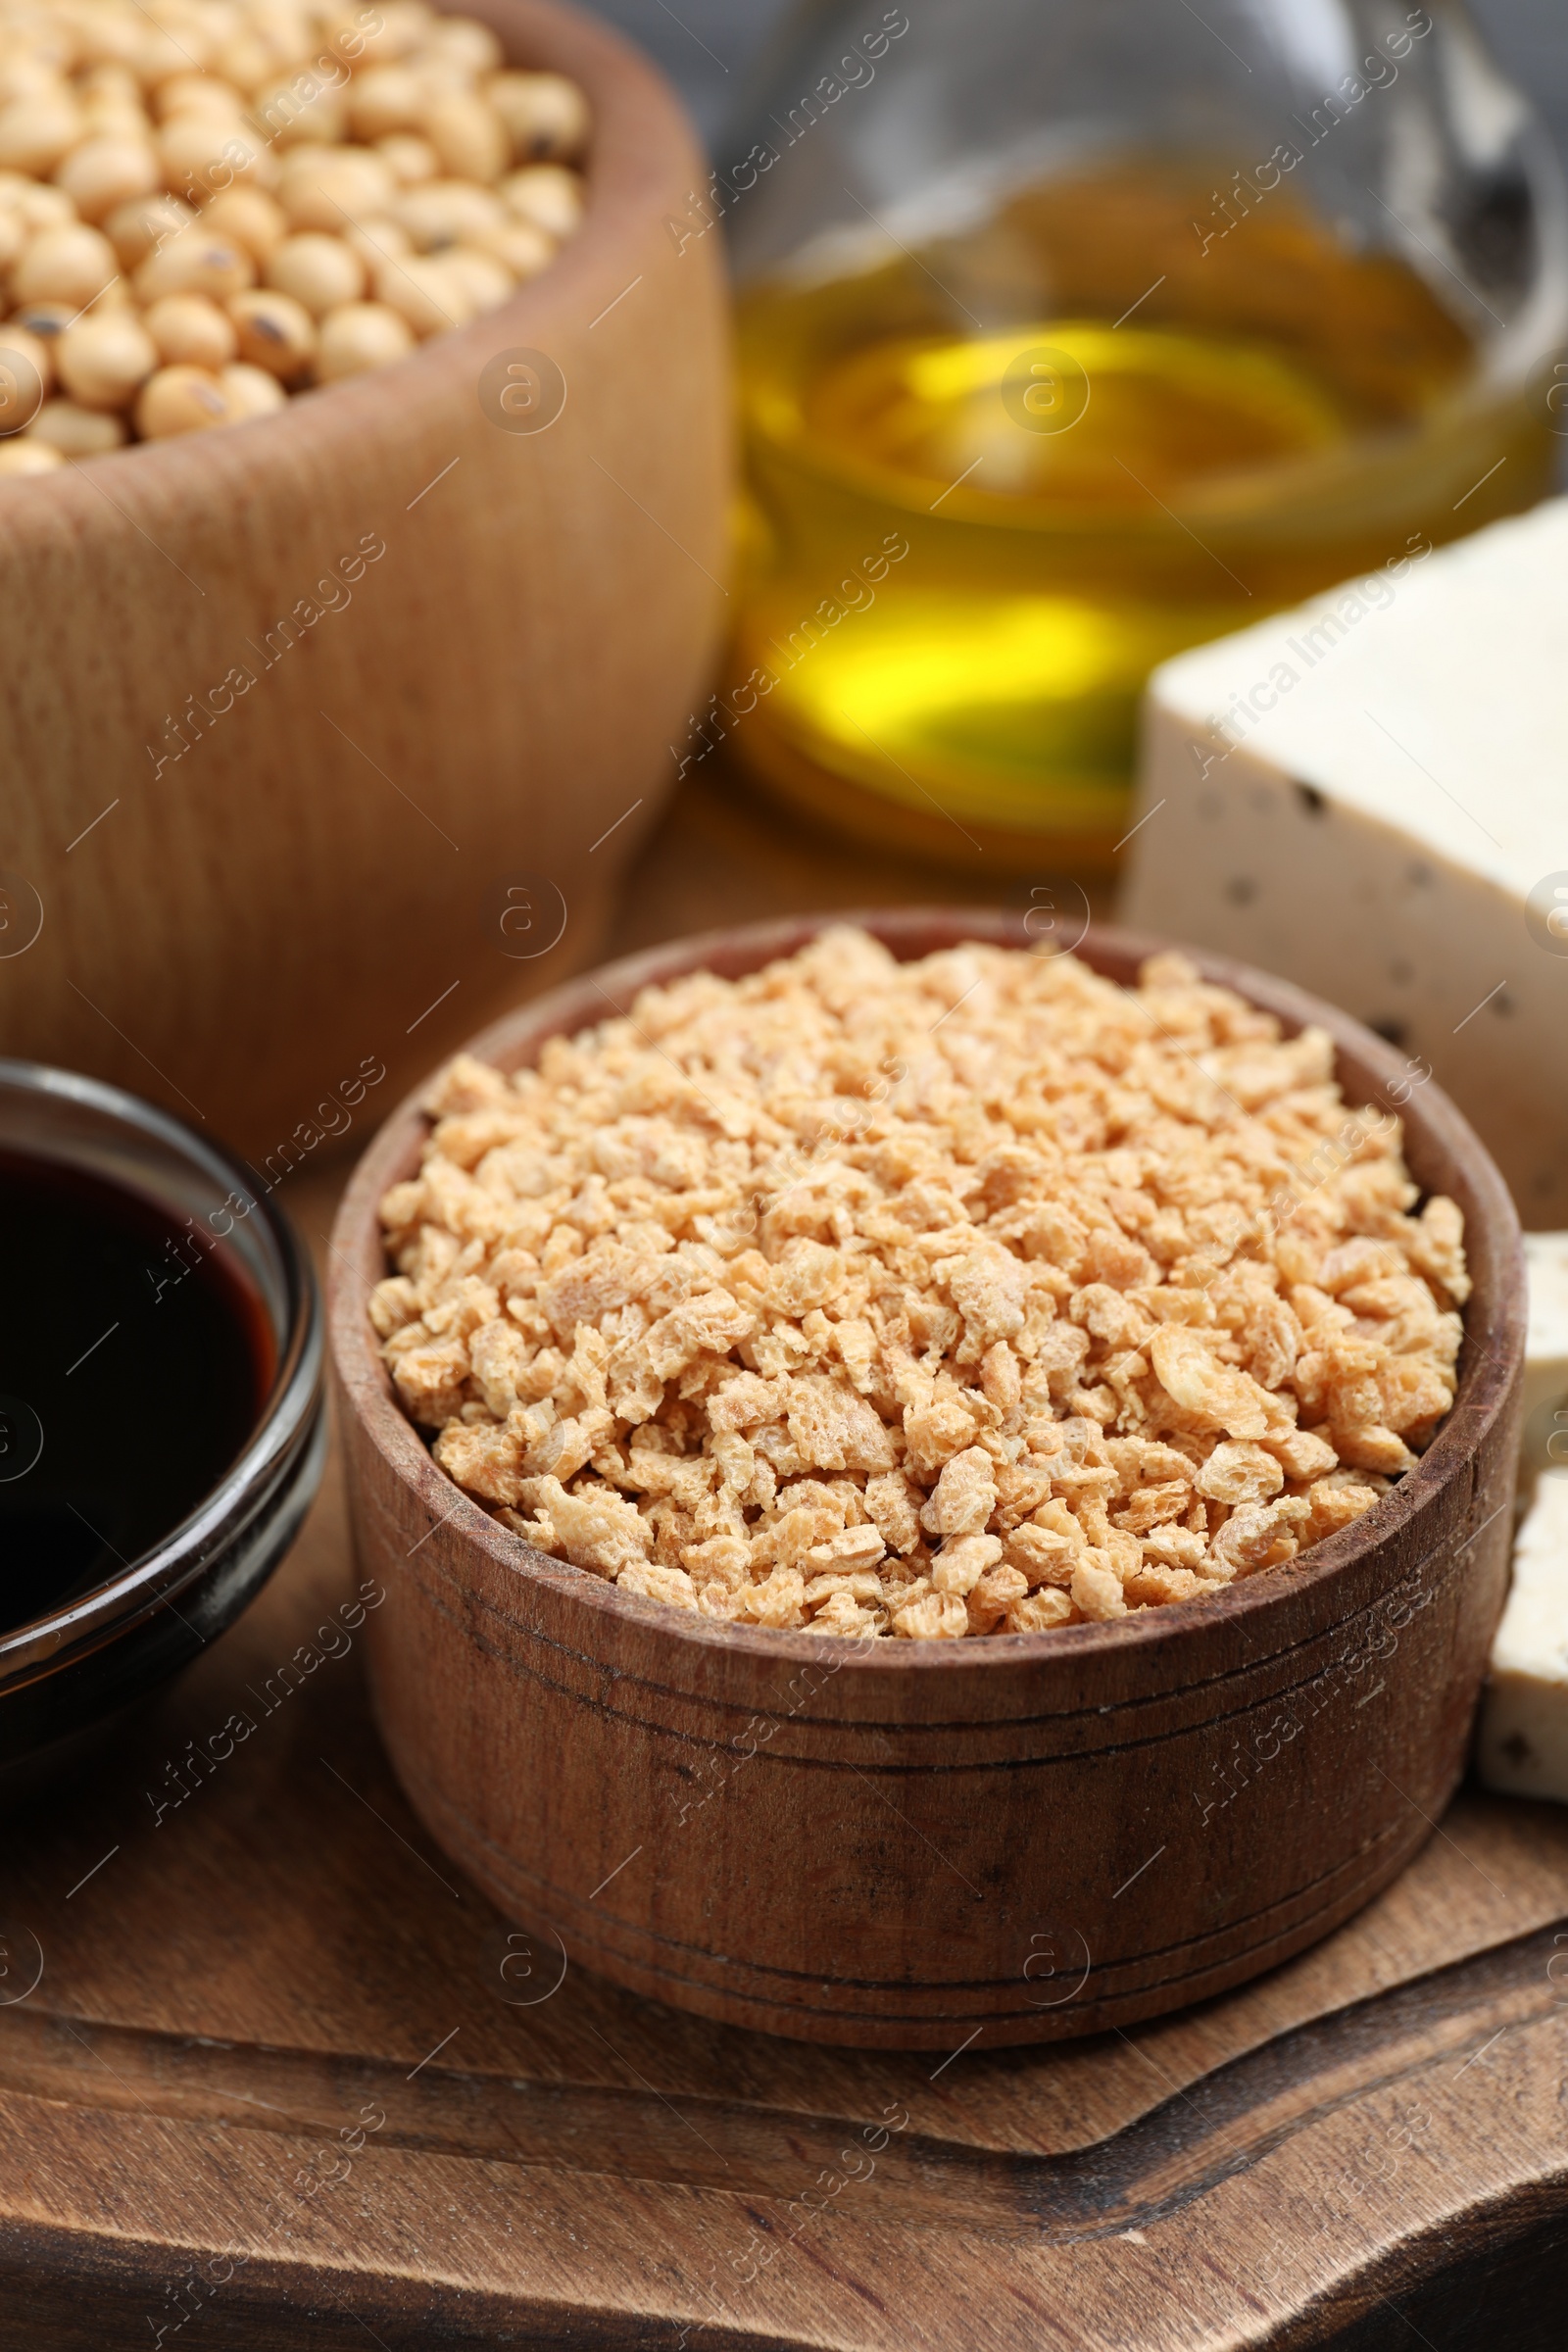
[[287, 2079]]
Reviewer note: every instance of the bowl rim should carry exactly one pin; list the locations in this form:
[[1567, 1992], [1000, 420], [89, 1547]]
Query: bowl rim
[[284, 1419], [1487, 1374], [634, 116]]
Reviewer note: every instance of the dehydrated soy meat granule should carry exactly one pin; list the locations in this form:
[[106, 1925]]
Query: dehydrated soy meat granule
[[969, 1295]]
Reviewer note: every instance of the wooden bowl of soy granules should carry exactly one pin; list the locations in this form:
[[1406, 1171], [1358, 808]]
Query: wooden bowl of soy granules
[[362, 455], [929, 1494]]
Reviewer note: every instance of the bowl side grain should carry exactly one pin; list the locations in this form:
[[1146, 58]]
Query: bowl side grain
[[312, 884], [1044, 1835]]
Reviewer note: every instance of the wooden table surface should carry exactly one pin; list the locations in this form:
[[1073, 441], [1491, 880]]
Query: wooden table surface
[[286, 2080]]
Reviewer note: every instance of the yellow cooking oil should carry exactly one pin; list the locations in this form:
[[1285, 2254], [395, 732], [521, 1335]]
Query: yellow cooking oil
[[994, 480]]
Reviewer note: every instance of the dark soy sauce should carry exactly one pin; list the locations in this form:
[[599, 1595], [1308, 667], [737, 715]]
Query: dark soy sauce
[[135, 1359]]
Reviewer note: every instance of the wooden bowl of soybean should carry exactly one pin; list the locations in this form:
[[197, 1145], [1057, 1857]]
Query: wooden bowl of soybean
[[325, 734], [913, 1844]]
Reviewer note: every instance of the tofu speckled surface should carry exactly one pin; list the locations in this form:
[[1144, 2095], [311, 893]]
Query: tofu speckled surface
[[1369, 795], [1523, 1742], [1545, 1421]]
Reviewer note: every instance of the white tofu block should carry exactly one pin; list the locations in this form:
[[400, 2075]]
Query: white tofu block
[[1522, 1746], [1545, 1424], [1369, 795]]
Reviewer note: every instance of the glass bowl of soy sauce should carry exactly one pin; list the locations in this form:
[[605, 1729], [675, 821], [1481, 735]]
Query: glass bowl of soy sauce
[[162, 1432]]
